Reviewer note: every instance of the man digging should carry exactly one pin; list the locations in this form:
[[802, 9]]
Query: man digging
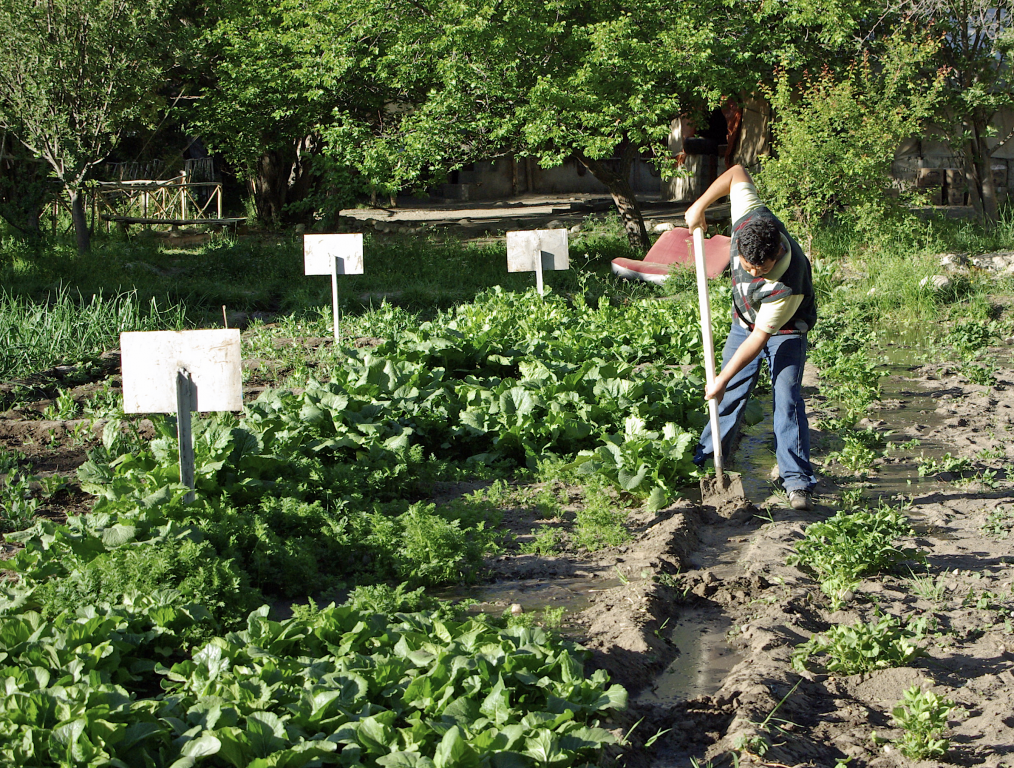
[[773, 308]]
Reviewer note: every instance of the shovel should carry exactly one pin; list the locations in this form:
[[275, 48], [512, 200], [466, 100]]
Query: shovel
[[722, 487]]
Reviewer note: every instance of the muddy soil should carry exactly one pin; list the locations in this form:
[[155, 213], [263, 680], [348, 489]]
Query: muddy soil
[[699, 614]]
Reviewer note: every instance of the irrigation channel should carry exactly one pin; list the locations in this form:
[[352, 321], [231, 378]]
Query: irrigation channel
[[699, 615]]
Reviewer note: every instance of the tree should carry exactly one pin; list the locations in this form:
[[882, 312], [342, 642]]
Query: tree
[[74, 76], [277, 71], [598, 81], [976, 44]]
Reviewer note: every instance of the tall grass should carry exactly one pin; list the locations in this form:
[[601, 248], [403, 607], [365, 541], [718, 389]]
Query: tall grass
[[420, 272], [887, 276], [68, 329]]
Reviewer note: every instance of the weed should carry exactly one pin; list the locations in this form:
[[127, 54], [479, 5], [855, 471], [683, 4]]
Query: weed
[[547, 504], [17, 507], [851, 649], [933, 590], [982, 373], [989, 454], [848, 546], [986, 478], [908, 445], [524, 619], [546, 541], [922, 715], [982, 601], [52, 484], [856, 455], [9, 459], [80, 433], [971, 336], [852, 499], [597, 524], [552, 618], [754, 744], [383, 598], [63, 408], [104, 404], [759, 743], [948, 464], [999, 522], [498, 493]]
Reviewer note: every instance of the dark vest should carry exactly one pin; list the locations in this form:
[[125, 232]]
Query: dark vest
[[749, 292]]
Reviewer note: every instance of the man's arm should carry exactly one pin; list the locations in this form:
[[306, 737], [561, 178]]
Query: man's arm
[[720, 187], [747, 351]]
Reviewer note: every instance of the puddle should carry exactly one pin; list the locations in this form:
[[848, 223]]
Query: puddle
[[533, 595], [704, 658]]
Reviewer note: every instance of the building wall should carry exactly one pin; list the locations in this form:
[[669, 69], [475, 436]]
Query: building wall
[[508, 176], [932, 166]]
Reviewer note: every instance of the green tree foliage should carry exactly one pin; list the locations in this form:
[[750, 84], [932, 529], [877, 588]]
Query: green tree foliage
[[24, 186], [278, 72], [75, 75], [599, 82], [836, 134]]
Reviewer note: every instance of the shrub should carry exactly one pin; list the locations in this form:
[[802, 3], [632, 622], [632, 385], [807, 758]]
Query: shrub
[[836, 133]]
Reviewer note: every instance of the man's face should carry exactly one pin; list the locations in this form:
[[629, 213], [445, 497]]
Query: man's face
[[759, 270]]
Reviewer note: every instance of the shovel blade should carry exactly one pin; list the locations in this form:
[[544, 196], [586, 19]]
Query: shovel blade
[[719, 491]]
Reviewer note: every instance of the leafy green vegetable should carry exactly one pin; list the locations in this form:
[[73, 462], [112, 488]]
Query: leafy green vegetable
[[338, 687], [850, 545], [851, 649]]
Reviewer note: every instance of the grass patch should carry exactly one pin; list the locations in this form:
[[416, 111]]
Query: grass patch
[[68, 328]]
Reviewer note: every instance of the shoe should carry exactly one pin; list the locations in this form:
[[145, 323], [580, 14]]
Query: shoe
[[801, 500]]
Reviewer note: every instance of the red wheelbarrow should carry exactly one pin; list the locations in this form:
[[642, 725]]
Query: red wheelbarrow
[[671, 248]]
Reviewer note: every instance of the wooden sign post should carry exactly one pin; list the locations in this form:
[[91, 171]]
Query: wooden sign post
[[181, 372], [538, 251], [333, 255]]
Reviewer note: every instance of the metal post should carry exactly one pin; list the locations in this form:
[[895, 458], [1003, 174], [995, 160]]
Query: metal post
[[184, 407], [334, 297], [183, 194], [218, 191], [538, 269]]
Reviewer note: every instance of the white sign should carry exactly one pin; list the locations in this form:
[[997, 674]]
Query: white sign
[[150, 361], [333, 255], [538, 251], [320, 252]]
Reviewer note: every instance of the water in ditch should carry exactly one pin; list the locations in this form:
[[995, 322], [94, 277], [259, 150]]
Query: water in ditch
[[704, 658]]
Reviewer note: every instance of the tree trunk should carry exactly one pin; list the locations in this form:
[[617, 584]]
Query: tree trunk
[[979, 174], [282, 177], [270, 182], [77, 211], [618, 183]]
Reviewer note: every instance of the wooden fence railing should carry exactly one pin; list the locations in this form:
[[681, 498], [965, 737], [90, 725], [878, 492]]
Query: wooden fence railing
[[158, 201]]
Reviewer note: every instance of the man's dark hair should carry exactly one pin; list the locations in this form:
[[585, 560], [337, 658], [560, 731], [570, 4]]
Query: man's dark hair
[[759, 240]]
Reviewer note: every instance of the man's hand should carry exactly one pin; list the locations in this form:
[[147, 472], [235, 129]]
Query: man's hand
[[695, 218], [716, 391]]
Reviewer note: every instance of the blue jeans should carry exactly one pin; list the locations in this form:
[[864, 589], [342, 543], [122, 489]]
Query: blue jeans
[[785, 356]]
